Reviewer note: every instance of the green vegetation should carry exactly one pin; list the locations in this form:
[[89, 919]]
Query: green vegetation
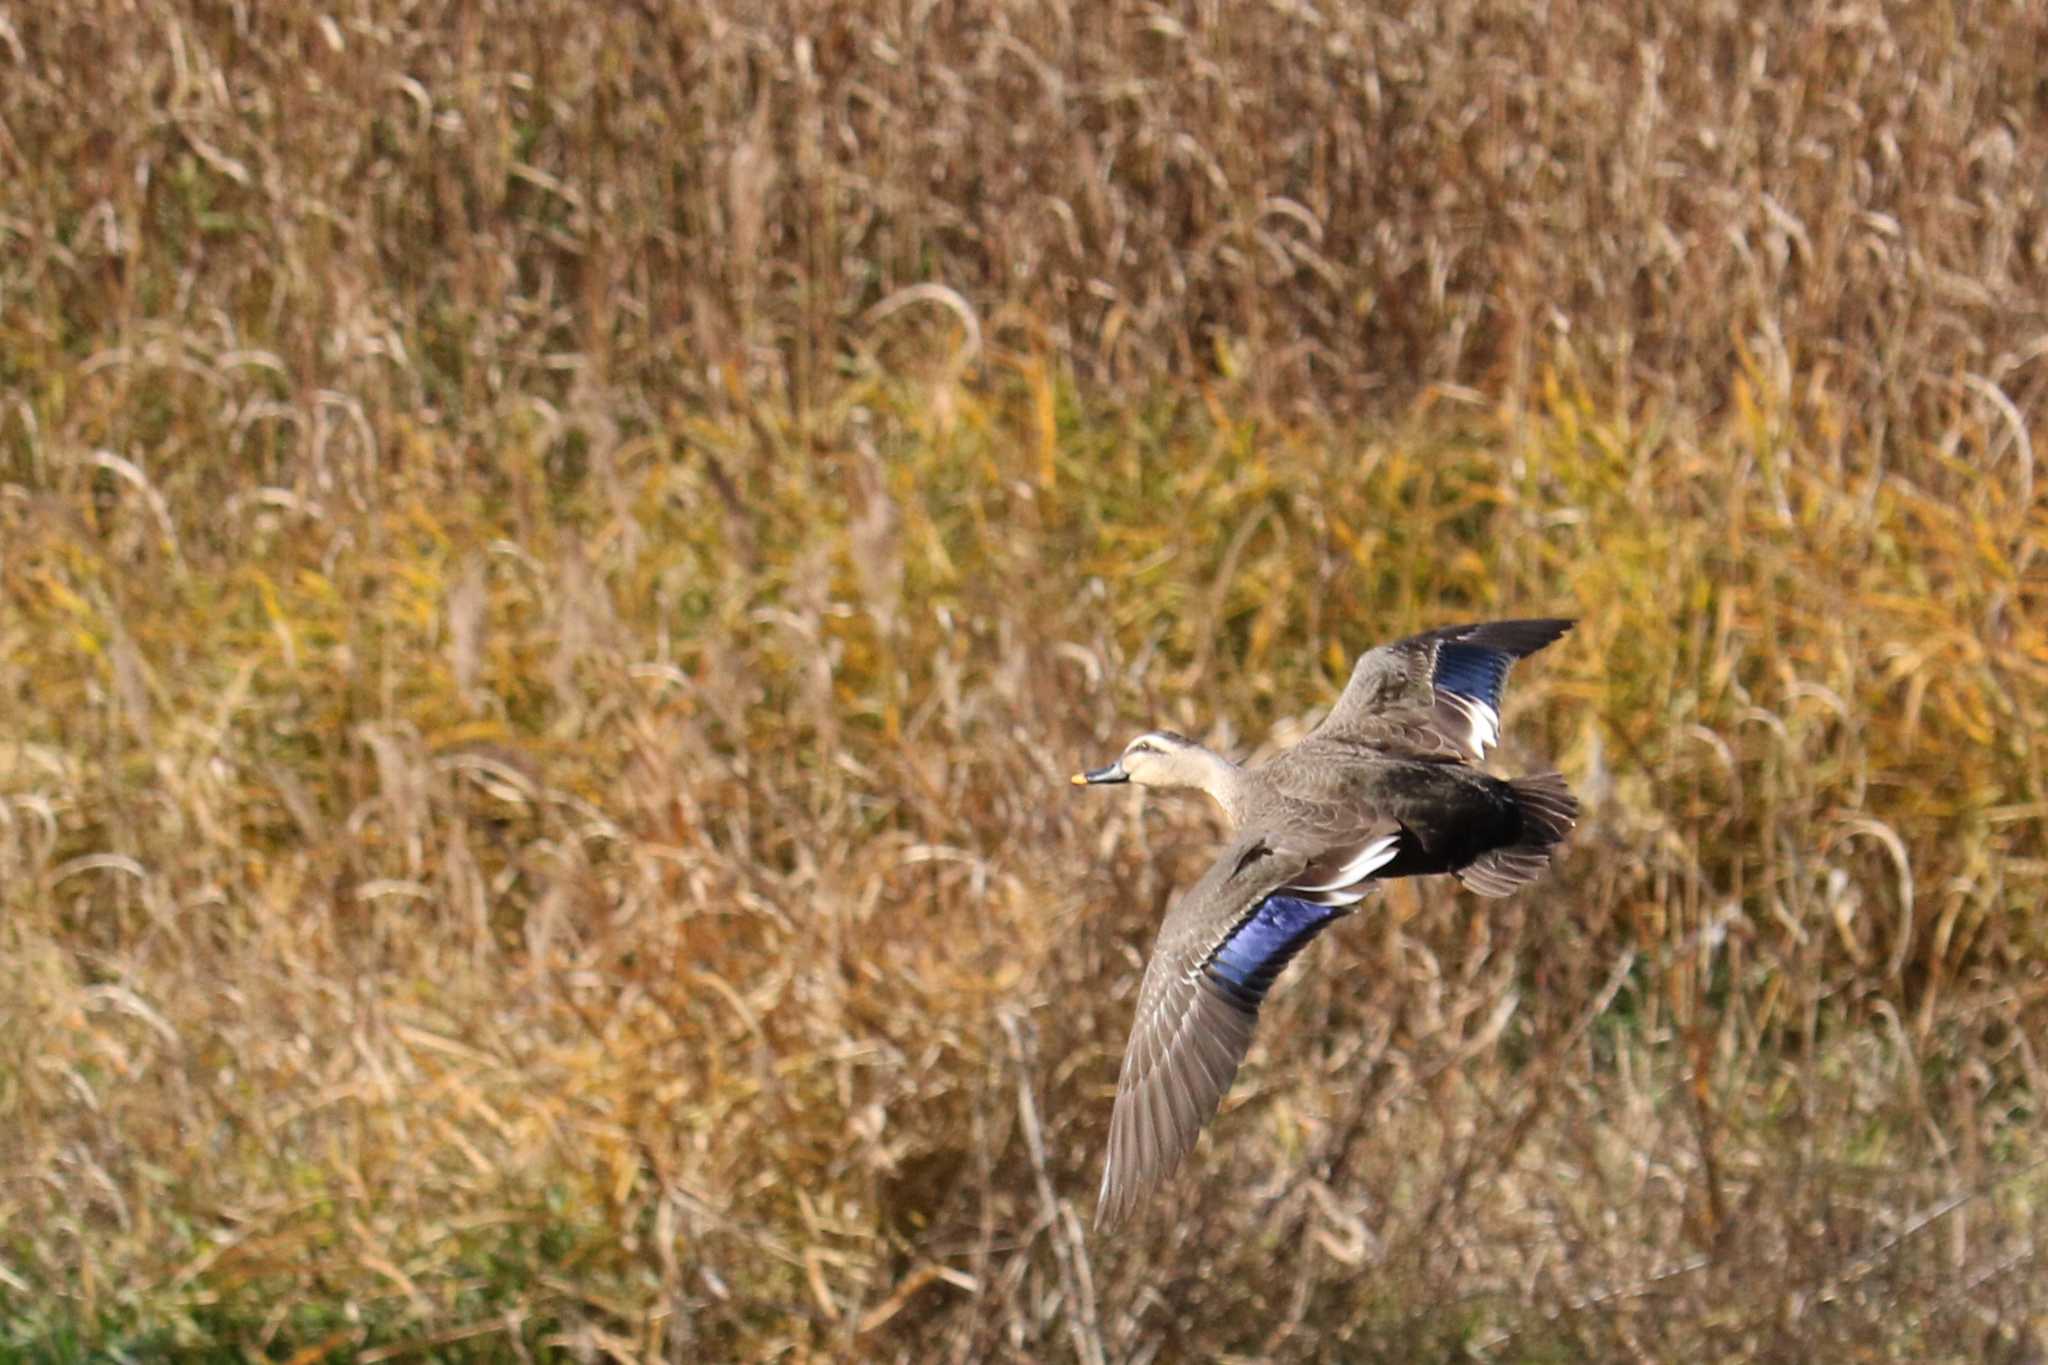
[[553, 567]]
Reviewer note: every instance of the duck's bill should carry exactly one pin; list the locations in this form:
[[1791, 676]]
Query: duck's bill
[[1097, 776]]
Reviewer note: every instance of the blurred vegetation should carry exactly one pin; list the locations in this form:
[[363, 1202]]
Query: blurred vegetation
[[555, 562]]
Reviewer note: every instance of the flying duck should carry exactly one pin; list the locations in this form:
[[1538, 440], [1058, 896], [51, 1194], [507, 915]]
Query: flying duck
[[1386, 786]]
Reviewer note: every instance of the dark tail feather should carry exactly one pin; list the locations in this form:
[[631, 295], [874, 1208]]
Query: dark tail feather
[[1549, 810]]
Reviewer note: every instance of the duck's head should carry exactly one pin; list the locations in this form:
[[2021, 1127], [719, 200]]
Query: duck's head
[[1157, 758]]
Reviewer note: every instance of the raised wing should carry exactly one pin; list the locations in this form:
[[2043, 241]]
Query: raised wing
[[1435, 695], [1220, 950]]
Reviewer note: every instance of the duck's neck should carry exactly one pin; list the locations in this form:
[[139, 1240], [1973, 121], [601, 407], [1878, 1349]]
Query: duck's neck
[[1220, 780]]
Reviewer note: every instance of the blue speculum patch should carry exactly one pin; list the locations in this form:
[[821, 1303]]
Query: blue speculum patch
[[1252, 957], [1472, 671]]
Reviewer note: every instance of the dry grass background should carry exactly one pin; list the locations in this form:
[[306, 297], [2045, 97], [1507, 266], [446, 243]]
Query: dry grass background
[[555, 561]]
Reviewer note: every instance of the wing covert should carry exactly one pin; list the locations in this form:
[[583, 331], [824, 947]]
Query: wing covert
[[1437, 694]]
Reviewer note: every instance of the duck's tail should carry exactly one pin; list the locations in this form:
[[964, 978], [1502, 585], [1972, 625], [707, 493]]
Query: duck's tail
[[1549, 810]]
